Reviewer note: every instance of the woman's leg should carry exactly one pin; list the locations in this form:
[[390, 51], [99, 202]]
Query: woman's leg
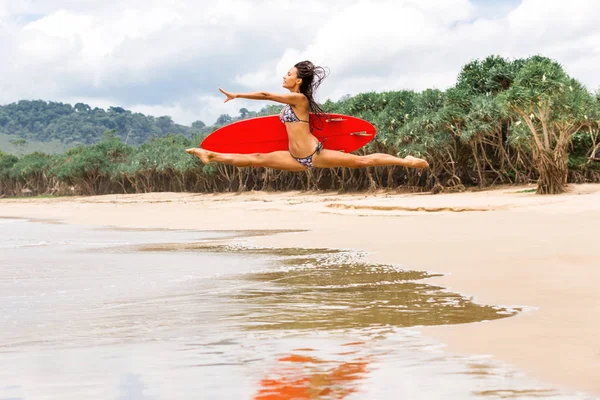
[[332, 159], [275, 160]]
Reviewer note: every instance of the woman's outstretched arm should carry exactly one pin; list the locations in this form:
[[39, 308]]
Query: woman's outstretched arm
[[293, 99]]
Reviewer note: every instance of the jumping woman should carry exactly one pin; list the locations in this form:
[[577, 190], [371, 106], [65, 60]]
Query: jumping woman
[[304, 151]]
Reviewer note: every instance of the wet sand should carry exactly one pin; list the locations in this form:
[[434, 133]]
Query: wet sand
[[503, 247]]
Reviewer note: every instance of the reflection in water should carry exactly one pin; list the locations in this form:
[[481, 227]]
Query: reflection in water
[[327, 290], [333, 292], [303, 377], [132, 388]]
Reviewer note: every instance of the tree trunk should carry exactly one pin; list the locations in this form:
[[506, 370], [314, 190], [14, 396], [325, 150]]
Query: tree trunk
[[552, 167]]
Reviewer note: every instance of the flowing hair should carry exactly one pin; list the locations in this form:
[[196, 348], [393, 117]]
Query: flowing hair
[[311, 76]]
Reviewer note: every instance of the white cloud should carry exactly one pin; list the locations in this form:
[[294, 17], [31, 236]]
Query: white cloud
[[419, 45], [170, 59]]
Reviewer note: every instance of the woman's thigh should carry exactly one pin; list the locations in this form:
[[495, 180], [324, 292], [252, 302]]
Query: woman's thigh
[[332, 159], [278, 160]]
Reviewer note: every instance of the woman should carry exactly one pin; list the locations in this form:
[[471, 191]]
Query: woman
[[305, 150]]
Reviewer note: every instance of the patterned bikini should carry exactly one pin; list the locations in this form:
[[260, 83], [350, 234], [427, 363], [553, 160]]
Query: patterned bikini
[[288, 115]]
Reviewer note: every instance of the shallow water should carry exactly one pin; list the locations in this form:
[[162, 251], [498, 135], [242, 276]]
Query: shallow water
[[116, 314]]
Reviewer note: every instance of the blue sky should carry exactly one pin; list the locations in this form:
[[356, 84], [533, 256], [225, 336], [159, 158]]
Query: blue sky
[[494, 8], [169, 58]]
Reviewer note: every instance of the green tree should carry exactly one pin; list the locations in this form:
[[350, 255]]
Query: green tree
[[93, 167], [31, 170], [198, 124], [551, 107], [7, 161], [223, 119]]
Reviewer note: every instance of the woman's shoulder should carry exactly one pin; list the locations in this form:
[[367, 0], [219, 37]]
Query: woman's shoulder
[[305, 99]]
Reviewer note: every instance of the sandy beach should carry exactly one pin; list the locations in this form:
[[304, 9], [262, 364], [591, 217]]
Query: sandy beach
[[506, 246]]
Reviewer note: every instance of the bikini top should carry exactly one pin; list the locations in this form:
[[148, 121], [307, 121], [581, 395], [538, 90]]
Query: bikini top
[[288, 115]]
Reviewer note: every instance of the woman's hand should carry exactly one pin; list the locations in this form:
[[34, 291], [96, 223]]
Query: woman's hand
[[230, 96]]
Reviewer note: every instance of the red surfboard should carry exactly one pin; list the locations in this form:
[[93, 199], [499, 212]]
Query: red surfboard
[[267, 134]]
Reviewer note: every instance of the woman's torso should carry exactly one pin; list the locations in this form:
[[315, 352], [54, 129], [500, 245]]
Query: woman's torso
[[301, 142]]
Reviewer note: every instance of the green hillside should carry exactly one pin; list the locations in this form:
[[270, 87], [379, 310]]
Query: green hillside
[[43, 121]]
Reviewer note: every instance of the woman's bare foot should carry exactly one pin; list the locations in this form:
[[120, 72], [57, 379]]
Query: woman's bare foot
[[203, 155], [417, 162]]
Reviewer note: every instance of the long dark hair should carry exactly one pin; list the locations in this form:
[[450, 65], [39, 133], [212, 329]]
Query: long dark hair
[[311, 76]]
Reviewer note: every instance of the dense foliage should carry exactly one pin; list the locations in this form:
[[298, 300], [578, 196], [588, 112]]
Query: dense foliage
[[502, 122]]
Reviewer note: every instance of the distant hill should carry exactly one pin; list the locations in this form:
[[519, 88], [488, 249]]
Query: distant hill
[[43, 121], [28, 122]]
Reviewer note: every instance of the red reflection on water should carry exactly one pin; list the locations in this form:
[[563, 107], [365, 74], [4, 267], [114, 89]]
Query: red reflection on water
[[354, 344], [301, 377]]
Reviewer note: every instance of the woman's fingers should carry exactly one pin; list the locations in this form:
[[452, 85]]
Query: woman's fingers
[[229, 95]]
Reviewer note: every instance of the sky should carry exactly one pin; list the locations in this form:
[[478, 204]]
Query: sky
[[170, 57]]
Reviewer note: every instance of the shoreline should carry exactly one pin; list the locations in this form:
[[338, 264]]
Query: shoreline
[[505, 246]]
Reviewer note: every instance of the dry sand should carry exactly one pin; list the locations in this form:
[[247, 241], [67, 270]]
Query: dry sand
[[505, 247]]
